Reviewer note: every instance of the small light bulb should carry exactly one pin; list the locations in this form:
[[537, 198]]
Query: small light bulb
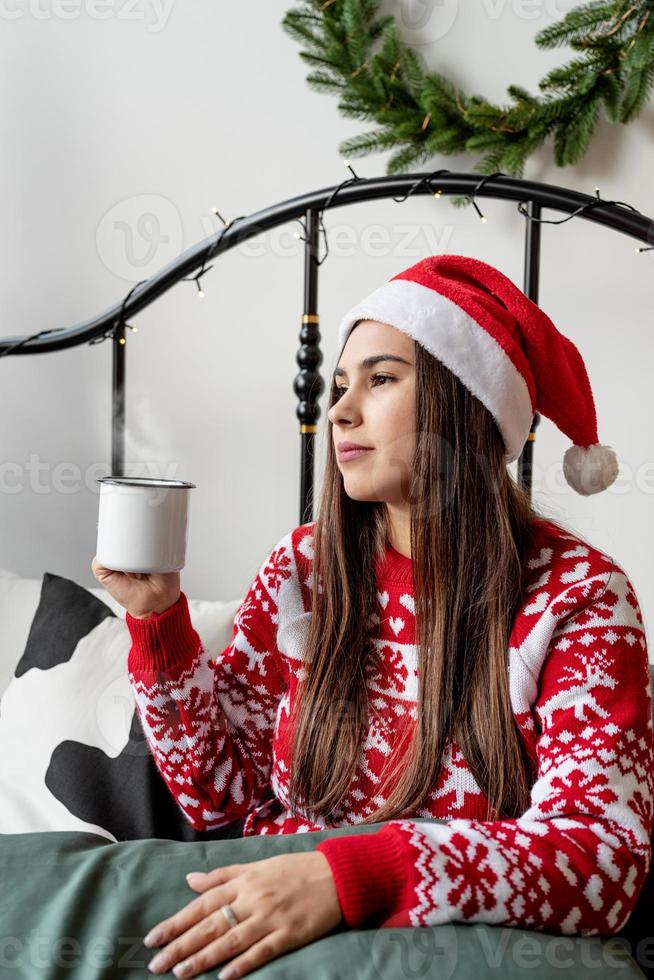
[[121, 340], [483, 218], [201, 293]]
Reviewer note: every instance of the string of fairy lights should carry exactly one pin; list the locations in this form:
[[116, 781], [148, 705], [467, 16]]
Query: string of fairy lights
[[115, 331]]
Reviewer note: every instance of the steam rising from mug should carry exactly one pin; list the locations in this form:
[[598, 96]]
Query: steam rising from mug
[[148, 451]]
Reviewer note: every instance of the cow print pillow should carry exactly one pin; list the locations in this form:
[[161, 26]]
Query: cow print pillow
[[73, 755]]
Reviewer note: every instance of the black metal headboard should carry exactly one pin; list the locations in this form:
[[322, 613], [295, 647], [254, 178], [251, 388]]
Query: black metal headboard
[[531, 198]]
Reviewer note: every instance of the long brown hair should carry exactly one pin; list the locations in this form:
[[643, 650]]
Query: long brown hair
[[470, 526]]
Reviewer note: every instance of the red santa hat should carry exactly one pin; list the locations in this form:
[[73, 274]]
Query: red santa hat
[[503, 348]]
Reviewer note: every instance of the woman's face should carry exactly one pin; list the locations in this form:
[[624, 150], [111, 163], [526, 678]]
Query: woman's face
[[376, 408]]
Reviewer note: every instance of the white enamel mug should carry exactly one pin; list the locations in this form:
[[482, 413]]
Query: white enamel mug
[[142, 524]]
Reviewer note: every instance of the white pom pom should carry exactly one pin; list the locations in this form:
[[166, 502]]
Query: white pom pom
[[589, 469]]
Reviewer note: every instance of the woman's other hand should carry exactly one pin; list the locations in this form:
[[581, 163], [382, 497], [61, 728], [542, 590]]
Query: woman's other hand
[[281, 903]]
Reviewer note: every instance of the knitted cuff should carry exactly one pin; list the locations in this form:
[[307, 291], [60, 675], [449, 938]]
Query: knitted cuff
[[370, 874], [164, 641]]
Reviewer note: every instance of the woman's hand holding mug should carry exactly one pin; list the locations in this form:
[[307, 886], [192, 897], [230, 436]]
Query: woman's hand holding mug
[[141, 593]]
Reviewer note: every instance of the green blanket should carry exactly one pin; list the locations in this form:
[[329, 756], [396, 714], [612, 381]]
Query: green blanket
[[74, 905]]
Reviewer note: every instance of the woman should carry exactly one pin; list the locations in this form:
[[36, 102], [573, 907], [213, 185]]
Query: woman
[[368, 679]]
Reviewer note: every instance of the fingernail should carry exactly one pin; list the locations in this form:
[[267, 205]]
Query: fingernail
[[227, 974], [157, 963], [194, 877], [154, 937]]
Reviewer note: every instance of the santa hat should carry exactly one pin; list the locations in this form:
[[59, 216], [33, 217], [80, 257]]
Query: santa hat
[[503, 348]]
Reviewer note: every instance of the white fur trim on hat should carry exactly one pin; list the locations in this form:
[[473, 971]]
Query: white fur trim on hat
[[463, 346], [590, 469]]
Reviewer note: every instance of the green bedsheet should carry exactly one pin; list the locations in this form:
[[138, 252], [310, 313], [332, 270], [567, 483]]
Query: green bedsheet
[[75, 905]]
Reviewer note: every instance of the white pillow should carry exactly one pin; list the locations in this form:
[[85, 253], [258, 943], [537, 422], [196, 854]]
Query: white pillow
[[19, 598], [68, 729]]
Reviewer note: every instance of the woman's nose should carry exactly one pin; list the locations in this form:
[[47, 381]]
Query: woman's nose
[[339, 410]]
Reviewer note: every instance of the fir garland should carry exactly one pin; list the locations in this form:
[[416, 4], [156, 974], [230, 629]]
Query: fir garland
[[422, 113]]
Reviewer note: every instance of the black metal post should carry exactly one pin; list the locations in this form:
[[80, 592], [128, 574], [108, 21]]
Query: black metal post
[[118, 403], [309, 384], [530, 289]]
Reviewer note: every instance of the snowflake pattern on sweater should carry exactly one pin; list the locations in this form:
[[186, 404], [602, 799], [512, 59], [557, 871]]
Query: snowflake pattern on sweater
[[573, 863]]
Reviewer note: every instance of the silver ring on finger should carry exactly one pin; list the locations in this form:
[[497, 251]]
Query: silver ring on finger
[[229, 914]]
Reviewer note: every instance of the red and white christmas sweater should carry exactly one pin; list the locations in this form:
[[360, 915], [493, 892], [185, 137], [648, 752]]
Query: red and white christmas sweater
[[573, 863]]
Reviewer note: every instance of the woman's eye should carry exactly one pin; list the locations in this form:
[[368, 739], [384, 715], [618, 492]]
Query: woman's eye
[[338, 389]]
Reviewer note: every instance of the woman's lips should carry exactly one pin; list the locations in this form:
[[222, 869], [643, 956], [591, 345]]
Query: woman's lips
[[352, 454]]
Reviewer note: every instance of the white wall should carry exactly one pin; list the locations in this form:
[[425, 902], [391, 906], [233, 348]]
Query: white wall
[[120, 132]]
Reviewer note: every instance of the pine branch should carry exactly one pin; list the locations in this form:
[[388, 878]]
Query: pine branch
[[321, 81], [361, 56], [636, 93], [576, 23], [571, 140], [366, 142]]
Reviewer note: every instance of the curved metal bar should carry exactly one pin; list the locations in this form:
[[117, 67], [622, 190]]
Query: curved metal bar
[[614, 216]]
